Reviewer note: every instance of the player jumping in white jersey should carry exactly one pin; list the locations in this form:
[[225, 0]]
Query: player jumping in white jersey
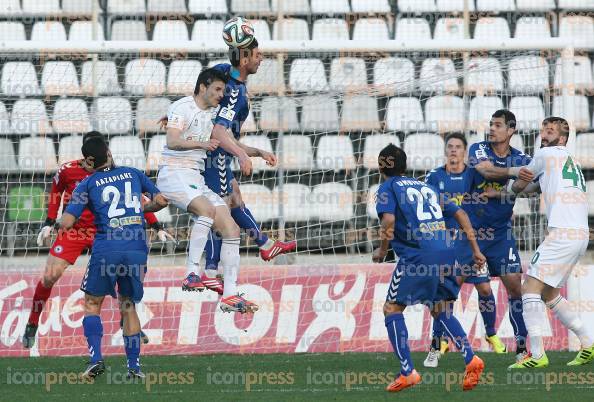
[[563, 187], [189, 127]]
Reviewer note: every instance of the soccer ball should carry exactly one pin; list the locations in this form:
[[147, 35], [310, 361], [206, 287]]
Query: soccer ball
[[238, 32]]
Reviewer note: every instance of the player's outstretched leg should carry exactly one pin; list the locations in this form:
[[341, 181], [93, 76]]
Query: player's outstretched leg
[[132, 338], [54, 269], [93, 329], [488, 310]]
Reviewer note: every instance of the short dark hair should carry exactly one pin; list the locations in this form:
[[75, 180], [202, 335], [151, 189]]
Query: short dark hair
[[392, 161], [457, 136], [563, 124], [208, 76], [92, 134], [508, 117], [97, 148], [236, 53]]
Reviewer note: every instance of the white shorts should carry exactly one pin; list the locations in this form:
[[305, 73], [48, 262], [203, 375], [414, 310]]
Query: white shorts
[[553, 261], [181, 185]]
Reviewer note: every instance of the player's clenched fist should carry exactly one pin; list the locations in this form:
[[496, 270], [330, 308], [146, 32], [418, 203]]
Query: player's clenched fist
[[269, 157], [525, 175], [379, 255]]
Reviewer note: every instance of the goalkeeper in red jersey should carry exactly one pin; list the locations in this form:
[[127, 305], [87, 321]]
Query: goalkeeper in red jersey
[[70, 244]]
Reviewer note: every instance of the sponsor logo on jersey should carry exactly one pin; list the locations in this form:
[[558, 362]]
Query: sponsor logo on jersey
[[227, 114], [125, 221]]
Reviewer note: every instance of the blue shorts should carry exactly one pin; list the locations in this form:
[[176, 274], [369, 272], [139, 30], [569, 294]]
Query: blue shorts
[[501, 253], [417, 277], [465, 264], [105, 269], [448, 289], [218, 174]]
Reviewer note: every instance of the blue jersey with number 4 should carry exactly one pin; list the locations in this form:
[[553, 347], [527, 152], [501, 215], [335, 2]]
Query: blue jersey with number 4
[[114, 196], [419, 217]]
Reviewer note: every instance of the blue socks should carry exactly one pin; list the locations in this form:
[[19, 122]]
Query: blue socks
[[488, 311], [517, 321], [244, 218], [437, 334], [212, 250], [93, 329], [132, 346], [398, 335], [456, 333]]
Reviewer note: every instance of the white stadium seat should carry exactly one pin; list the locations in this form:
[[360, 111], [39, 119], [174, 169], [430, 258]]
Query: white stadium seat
[[69, 148], [424, 151], [293, 7], [370, 6], [250, 6], [578, 28], [270, 110], [371, 199], [411, 29], [127, 150], [29, 116], [145, 77], [529, 112], [489, 28], [374, 29], [481, 109], [259, 199], [10, 7], [584, 144], [532, 28], [483, 75], [166, 7], [522, 206], [330, 29], [449, 6], [373, 145], [260, 142], [295, 153], [80, 7], [8, 161], [12, 31], [112, 115], [330, 6], [348, 74], [290, 29], [4, 120], [19, 78], [83, 30], [438, 76], [249, 125], [207, 7], [394, 75], [261, 30], [71, 116], [269, 78], [495, 5], [170, 31], [48, 31], [319, 114], [148, 113], [528, 74], [582, 73], [577, 4], [307, 75], [59, 78], [45, 7], [333, 202], [208, 31], [129, 30], [517, 142], [416, 6], [449, 29], [531, 5], [590, 195], [404, 115], [335, 152], [37, 155], [107, 78], [155, 148], [296, 202], [182, 76], [126, 7], [581, 111], [359, 113], [444, 114]]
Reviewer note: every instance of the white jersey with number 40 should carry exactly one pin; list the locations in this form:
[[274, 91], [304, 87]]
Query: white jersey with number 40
[[563, 187]]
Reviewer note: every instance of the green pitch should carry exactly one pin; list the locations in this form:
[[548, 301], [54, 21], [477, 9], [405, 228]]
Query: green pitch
[[303, 377]]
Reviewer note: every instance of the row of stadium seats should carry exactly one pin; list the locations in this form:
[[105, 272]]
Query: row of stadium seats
[[578, 28], [150, 77], [298, 7], [333, 152], [319, 113]]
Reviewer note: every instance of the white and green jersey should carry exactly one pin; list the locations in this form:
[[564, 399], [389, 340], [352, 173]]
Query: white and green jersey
[[563, 187]]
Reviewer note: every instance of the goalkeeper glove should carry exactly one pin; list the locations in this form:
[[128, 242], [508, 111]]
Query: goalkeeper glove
[[46, 231]]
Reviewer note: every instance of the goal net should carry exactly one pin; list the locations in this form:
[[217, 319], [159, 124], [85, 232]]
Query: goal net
[[326, 115]]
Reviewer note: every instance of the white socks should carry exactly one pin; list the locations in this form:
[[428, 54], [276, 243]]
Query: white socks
[[535, 316], [230, 261], [560, 306], [198, 238]]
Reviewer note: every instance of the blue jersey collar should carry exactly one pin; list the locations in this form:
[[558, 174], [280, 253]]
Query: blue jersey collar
[[234, 73]]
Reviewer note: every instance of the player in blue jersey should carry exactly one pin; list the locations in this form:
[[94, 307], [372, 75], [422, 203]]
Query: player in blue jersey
[[119, 253], [494, 162], [454, 181], [412, 222]]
